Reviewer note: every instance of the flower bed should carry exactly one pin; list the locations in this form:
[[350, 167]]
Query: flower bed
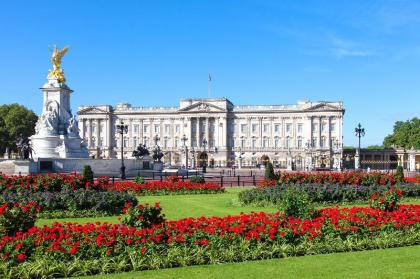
[[64, 195], [321, 193], [60, 182], [167, 187], [340, 178], [74, 249]]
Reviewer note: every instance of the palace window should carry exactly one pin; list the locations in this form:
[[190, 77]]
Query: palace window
[[315, 127], [323, 127], [125, 142], [243, 128], [254, 143], [146, 141], [243, 142], [300, 127], [265, 128], [314, 142], [288, 142], [288, 128], [254, 128], [265, 143], [146, 129], [135, 142], [165, 142], [157, 128], [177, 128], [176, 142], [299, 143], [323, 142], [136, 128], [93, 142], [277, 128], [93, 128], [100, 141], [332, 127], [167, 127], [276, 142]]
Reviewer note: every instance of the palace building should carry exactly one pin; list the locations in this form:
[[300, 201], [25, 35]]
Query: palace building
[[303, 136]]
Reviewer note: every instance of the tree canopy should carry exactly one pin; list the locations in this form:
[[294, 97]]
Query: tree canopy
[[15, 120], [406, 134]]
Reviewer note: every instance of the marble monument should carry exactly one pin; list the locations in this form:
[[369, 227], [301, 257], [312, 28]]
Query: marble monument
[[57, 132]]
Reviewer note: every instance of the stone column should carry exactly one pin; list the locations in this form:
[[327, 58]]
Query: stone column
[[319, 131], [197, 132], [82, 129], [260, 132], [206, 131], [224, 132], [412, 160], [90, 133], [98, 134], [283, 134], [216, 132], [141, 131]]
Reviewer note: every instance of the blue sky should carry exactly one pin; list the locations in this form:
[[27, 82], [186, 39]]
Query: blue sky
[[364, 53]]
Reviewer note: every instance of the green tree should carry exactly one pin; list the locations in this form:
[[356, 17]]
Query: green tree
[[406, 134], [375, 146], [15, 120]]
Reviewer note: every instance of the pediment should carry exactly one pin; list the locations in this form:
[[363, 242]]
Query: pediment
[[202, 107], [323, 107], [91, 110]]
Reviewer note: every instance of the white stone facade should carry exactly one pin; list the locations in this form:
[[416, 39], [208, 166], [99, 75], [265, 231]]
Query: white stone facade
[[306, 135]]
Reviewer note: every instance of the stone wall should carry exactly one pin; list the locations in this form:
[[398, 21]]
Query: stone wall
[[61, 165]]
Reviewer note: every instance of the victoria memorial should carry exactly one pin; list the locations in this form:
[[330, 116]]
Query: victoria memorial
[[213, 131]]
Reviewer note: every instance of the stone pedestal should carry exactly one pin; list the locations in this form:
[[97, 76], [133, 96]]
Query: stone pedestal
[[412, 160], [57, 133], [158, 166]]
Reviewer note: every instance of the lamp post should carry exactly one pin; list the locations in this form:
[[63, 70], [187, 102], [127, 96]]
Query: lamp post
[[240, 158], [156, 138], [121, 129], [359, 132], [184, 140], [204, 161], [193, 158]]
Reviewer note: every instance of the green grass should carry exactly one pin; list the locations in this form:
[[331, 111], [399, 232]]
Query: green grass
[[182, 206], [389, 263]]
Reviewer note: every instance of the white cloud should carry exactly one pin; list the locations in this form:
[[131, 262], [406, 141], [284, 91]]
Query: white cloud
[[347, 48]]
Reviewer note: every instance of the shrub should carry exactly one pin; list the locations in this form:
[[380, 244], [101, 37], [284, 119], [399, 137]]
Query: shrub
[[323, 194], [296, 203], [142, 216], [388, 201], [139, 180], [17, 217], [87, 174], [197, 179], [110, 202], [399, 175], [269, 172]]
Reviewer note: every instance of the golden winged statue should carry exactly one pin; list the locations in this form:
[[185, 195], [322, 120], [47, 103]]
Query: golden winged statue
[[57, 72]]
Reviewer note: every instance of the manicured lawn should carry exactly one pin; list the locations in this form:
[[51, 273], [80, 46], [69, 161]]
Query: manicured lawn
[[389, 263], [182, 206]]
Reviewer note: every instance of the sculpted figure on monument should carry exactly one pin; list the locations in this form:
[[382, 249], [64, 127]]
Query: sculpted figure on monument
[[47, 123], [73, 128], [141, 151]]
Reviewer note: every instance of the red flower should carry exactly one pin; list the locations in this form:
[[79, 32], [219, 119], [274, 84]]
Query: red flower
[[21, 257]]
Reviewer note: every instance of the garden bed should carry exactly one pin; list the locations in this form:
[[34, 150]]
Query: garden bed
[[73, 249], [322, 193]]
